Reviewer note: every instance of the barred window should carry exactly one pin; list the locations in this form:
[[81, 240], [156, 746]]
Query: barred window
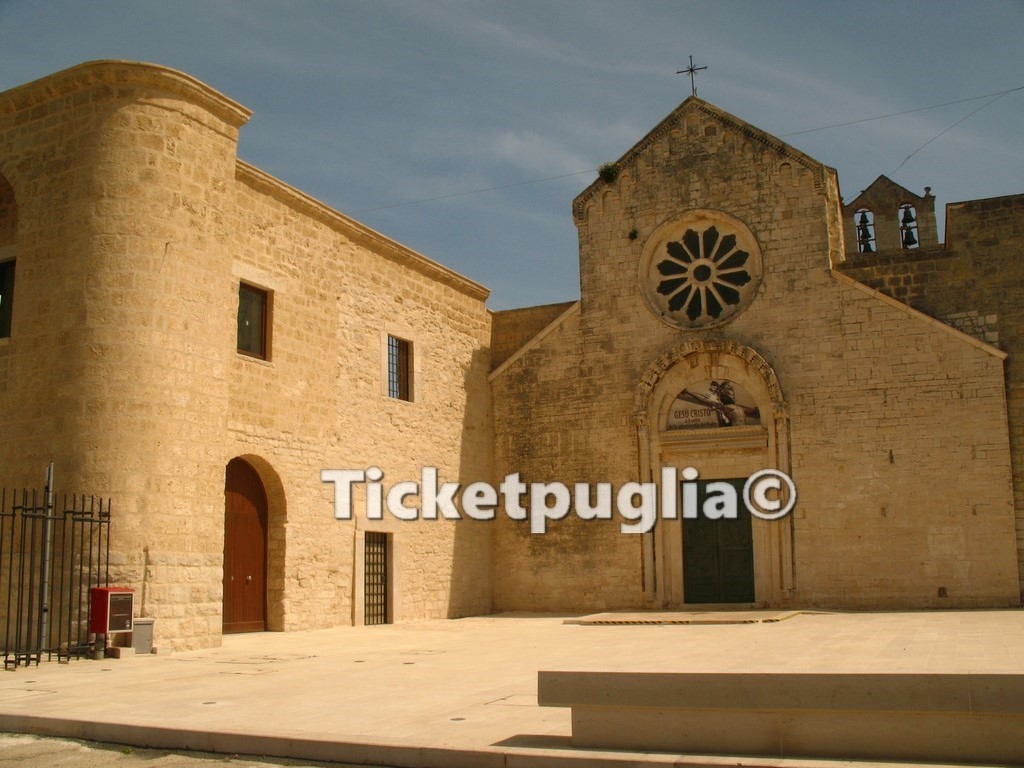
[[6, 297], [399, 368]]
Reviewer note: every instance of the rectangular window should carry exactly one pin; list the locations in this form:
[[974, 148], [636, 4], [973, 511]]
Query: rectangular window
[[253, 316], [399, 368], [6, 297]]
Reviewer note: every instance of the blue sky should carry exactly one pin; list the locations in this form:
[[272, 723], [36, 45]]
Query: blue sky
[[390, 110]]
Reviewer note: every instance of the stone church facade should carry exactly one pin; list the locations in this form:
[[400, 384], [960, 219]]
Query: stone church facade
[[198, 341]]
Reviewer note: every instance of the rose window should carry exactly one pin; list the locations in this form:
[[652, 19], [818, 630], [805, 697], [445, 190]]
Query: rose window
[[701, 273]]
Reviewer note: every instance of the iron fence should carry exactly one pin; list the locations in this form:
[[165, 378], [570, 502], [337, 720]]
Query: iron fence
[[52, 553]]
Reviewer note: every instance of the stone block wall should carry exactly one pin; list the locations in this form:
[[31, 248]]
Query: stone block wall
[[549, 428], [8, 240], [976, 283], [114, 367], [901, 457], [135, 225], [512, 328], [338, 290]]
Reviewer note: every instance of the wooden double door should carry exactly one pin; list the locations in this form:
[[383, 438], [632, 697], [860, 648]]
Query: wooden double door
[[718, 555]]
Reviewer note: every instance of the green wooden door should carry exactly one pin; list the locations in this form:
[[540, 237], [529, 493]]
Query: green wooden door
[[718, 555]]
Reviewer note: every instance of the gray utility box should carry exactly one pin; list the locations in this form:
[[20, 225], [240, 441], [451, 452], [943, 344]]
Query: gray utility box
[[142, 636]]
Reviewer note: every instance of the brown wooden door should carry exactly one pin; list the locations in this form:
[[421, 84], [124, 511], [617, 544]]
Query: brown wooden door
[[245, 550]]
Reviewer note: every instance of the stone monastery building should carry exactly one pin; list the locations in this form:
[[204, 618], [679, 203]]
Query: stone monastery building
[[198, 341]]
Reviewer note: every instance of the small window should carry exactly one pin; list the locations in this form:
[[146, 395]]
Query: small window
[[399, 368], [908, 226], [864, 220], [253, 316], [6, 297]]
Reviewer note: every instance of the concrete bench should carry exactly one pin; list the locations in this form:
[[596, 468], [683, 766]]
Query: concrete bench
[[934, 717]]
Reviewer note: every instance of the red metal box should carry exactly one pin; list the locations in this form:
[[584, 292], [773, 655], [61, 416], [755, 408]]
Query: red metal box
[[112, 610]]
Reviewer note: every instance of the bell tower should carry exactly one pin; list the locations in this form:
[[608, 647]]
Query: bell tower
[[886, 218]]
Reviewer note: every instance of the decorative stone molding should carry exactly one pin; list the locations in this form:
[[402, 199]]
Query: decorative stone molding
[[124, 73], [660, 367]]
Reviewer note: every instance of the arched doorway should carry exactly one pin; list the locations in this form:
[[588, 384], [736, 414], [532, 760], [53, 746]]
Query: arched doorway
[[711, 412], [245, 549]]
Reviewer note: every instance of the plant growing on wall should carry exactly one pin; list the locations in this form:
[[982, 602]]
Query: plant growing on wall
[[608, 172]]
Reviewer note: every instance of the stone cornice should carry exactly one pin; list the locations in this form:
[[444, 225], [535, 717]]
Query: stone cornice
[[123, 73], [360, 233]]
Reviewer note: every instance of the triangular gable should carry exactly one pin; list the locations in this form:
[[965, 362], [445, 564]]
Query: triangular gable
[[677, 119], [883, 190]]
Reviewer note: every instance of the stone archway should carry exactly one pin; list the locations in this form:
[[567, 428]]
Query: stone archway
[[716, 454], [245, 549], [258, 471]]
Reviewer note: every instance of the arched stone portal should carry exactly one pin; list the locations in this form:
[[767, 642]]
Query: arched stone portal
[[254, 515], [245, 549], [714, 406]]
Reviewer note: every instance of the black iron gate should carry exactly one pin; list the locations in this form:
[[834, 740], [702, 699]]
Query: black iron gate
[[375, 579], [51, 555]]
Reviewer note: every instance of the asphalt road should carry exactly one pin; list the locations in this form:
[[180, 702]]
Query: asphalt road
[[17, 751]]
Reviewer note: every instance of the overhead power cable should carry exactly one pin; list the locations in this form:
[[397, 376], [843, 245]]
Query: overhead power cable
[[1000, 94], [954, 125], [993, 97]]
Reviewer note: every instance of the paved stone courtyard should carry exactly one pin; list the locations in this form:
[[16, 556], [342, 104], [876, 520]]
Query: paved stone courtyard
[[458, 692]]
